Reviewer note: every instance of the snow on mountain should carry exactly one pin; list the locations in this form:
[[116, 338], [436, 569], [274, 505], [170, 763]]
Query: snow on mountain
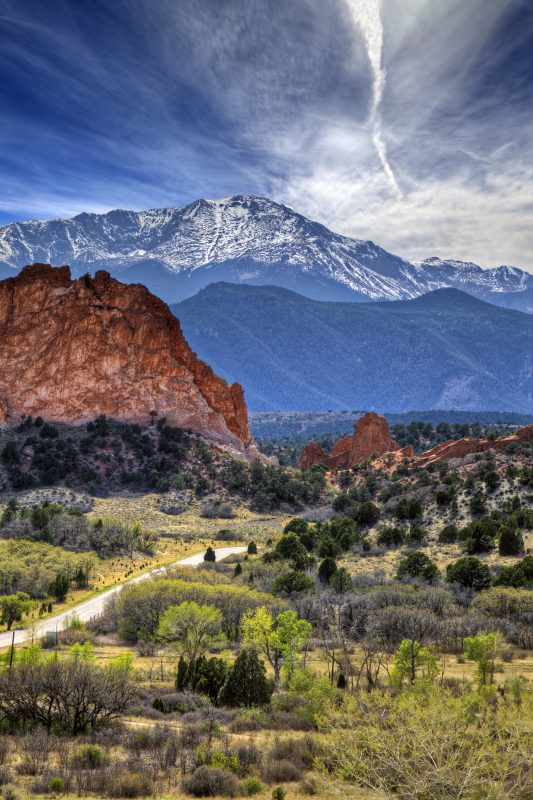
[[243, 239]]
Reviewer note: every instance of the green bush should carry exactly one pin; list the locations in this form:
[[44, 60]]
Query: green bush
[[252, 786], [448, 534], [469, 572], [89, 756], [56, 785]]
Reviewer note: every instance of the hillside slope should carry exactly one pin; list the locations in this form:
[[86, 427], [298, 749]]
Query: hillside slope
[[445, 350]]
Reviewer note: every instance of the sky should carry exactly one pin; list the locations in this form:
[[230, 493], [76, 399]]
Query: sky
[[408, 122]]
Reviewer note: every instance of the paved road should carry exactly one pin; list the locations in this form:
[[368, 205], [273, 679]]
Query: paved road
[[91, 608]]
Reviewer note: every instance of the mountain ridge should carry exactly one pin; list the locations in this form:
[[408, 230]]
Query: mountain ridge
[[175, 252], [443, 350]]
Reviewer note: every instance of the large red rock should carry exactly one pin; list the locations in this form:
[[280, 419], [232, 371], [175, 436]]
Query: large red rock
[[341, 446], [311, 455], [73, 349], [371, 437]]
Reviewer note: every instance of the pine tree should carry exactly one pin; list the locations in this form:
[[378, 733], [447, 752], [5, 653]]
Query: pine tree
[[510, 542], [247, 684], [210, 555], [182, 678], [327, 569]]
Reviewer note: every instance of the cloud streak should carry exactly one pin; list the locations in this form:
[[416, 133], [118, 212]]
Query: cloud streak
[[406, 121], [366, 15]]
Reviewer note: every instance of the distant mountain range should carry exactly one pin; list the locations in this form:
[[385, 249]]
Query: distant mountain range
[[444, 350], [176, 252]]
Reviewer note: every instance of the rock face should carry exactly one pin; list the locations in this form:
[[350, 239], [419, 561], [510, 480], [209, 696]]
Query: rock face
[[311, 454], [71, 350], [371, 437]]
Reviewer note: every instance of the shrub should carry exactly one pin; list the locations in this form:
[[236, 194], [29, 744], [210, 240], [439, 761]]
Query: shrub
[[279, 793], [448, 534], [292, 582], [212, 509], [391, 536], [89, 756], [9, 792], [469, 572], [210, 782], [309, 785], [56, 785], [431, 745], [367, 514], [252, 786], [131, 784], [300, 752], [418, 565], [282, 771]]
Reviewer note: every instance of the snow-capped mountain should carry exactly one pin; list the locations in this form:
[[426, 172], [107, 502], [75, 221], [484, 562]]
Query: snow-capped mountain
[[242, 239]]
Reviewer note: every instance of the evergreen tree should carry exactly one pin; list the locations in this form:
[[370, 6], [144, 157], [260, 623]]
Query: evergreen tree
[[252, 549], [58, 588], [182, 678], [327, 569], [247, 684], [510, 542], [210, 555], [341, 582]]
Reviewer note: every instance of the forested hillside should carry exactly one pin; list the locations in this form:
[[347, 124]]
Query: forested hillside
[[445, 350]]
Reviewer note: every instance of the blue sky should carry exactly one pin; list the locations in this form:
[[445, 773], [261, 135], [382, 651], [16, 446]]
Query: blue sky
[[409, 122]]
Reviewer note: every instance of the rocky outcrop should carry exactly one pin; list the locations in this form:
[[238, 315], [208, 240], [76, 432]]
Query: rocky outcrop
[[371, 438], [311, 455], [464, 447], [71, 350]]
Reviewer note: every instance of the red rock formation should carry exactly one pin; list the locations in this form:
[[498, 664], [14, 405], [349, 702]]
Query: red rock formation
[[341, 446], [311, 454], [463, 447], [371, 437], [71, 350]]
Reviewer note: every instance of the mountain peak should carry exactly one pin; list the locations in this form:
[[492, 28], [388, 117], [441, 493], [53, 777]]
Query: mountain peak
[[245, 239]]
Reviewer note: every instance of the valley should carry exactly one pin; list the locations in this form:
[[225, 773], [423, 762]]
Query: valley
[[200, 601]]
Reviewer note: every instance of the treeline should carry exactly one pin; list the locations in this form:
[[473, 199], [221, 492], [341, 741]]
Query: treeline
[[136, 611], [31, 567]]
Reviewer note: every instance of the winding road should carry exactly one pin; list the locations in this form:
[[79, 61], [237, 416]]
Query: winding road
[[91, 608]]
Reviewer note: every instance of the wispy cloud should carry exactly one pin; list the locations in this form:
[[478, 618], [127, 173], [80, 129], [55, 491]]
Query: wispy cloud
[[406, 121]]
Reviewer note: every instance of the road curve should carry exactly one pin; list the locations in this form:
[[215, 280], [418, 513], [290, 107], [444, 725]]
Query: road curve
[[91, 608]]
